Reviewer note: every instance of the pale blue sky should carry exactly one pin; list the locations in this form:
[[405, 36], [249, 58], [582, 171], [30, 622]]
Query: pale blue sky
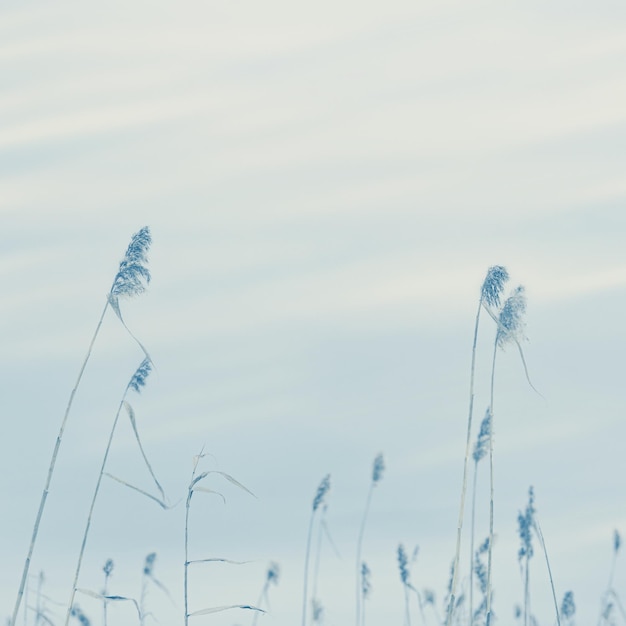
[[326, 187]]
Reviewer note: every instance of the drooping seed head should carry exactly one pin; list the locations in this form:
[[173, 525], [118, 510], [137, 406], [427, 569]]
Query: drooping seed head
[[133, 275], [493, 285], [141, 374], [482, 442], [511, 318], [322, 490], [378, 468]]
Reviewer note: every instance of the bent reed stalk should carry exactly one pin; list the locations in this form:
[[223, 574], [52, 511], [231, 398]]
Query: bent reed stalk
[[137, 381], [490, 292], [127, 282]]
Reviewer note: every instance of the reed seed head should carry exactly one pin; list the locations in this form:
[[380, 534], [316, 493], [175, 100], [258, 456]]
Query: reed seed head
[[482, 442], [378, 469], [141, 374], [493, 285], [429, 597], [148, 566], [617, 541], [568, 608], [108, 567], [133, 275], [366, 583], [322, 490], [511, 318], [318, 611], [403, 563], [273, 573], [525, 523], [80, 616]]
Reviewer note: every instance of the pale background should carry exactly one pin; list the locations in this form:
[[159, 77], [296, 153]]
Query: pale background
[[326, 185]]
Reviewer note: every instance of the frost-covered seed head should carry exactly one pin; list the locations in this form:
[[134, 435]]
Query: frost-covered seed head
[[366, 584], [511, 318], [482, 442], [493, 285], [403, 563], [133, 273], [141, 374], [148, 566], [525, 523], [108, 567]]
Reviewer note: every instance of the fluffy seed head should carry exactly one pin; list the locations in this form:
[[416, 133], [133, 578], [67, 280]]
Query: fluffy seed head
[[482, 442], [493, 285], [511, 318], [568, 608], [141, 374], [322, 490], [525, 523], [403, 566], [133, 273]]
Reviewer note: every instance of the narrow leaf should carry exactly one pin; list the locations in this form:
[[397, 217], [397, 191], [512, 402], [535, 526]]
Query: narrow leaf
[[206, 490], [229, 478], [133, 422], [217, 609], [99, 596], [218, 561], [162, 504]]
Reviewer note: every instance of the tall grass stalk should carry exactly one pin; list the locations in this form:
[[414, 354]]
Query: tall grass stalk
[[378, 468], [403, 566], [128, 281], [510, 329], [490, 292], [542, 542], [137, 381], [526, 523], [318, 500]]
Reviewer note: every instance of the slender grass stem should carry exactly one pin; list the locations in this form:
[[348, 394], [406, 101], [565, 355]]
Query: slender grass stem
[[187, 509], [53, 460], [457, 555], [92, 507], [359, 546], [472, 536], [491, 489], [545, 553], [306, 569]]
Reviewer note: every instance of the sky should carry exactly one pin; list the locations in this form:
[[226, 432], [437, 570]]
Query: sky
[[326, 186]]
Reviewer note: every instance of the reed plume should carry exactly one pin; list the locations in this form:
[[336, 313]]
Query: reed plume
[[130, 280]]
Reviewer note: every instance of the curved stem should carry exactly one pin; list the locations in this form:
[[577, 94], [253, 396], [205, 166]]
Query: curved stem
[[91, 509], [46, 489], [457, 555], [472, 533]]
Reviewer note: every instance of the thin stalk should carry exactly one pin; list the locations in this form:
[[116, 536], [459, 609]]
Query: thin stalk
[[105, 592], [457, 555], [316, 567], [526, 590], [91, 508], [545, 552], [306, 568], [259, 601], [489, 558], [407, 607], [187, 508], [53, 460], [472, 533], [359, 547]]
